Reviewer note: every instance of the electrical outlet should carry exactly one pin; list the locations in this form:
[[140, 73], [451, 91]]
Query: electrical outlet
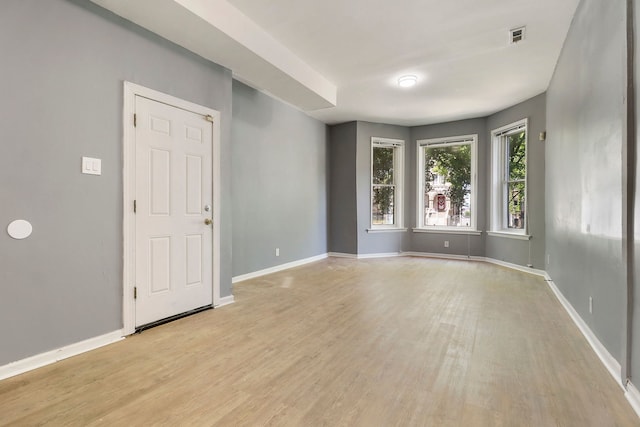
[[591, 305], [277, 251], [446, 243]]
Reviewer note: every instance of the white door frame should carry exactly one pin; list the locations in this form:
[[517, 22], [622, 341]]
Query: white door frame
[[132, 90]]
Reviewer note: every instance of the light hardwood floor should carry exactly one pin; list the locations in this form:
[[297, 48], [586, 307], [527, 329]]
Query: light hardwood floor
[[384, 342]]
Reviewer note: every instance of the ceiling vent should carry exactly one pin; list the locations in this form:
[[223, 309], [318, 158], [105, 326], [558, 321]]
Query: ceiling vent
[[516, 35]]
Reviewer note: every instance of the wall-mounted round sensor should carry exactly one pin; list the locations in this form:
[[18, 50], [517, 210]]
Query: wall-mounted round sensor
[[20, 229]]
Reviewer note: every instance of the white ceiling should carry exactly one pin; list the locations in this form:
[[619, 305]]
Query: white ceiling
[[307, 51]]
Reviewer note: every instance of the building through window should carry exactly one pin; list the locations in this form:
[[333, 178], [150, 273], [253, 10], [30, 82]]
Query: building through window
[[446, 183]]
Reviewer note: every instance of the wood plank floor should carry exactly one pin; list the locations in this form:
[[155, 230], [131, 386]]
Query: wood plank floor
[[384, 342]]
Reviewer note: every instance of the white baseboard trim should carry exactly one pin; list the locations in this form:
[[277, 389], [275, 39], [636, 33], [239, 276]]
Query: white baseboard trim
[[43, 359], [342, 255], [633, 396], [522, 268], [606, 358], [225, 301], [478, 258], [380, 255], [364, 256], [443, 256], [278, 268]]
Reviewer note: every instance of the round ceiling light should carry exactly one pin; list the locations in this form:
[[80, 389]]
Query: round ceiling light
[[407, 81]]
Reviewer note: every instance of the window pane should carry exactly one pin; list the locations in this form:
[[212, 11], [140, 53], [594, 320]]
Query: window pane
[[447, 190], [382, 209], [516, 150], [516, 205], [383, 165]]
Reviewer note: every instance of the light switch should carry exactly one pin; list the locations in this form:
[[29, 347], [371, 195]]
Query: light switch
[[91, 166]]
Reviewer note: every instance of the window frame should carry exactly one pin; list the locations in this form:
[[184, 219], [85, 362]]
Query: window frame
[[421, 145], [499, 181], [398, 179]]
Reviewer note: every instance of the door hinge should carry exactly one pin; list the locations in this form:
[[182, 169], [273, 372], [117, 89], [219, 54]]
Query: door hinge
[[209, 118], [135, 119], [135, 292], [135, 206]]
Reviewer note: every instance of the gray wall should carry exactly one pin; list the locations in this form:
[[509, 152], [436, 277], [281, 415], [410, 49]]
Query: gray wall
[[519, 251], [279, 182], [343, 230], [62, 83], [585, 111], [467, 245], [386, 242], [347, 166]]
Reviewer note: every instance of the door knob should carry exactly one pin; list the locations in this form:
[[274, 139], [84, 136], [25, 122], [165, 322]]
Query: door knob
[[207, 221]]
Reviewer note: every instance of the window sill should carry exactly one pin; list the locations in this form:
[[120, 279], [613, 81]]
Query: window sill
[[386, 230], [447, 231], [509, 235]]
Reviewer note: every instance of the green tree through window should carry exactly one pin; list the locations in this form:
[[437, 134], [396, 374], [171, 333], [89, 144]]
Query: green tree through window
[[454, 164], [447, 182], [515, 179], [383, 185], [386, 182]]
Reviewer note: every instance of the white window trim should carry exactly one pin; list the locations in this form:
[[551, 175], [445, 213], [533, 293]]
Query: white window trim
[[450, 141], [509, 235], [386, 230], [450, 230], [398, 168], [498, 218]]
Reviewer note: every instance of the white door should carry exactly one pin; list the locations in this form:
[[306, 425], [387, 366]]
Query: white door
[[173, 193]]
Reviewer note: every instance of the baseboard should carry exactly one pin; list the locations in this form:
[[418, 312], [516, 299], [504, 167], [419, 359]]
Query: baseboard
[[633, 396], [43, 359], [606, 358], [380, 255], [522, 268], [342, 255], [453, 257], [364, 256], [277, 268], [225, 301], [442, 256]]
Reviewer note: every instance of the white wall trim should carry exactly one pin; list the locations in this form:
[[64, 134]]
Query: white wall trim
[[342, 255], [43, 359], [607, 360], [380, 255], [509, 235], [444, 256], [278, 268], [364, 256], [633, 396], [225, 301], [386, 230], [517, 267], [450, 230]]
